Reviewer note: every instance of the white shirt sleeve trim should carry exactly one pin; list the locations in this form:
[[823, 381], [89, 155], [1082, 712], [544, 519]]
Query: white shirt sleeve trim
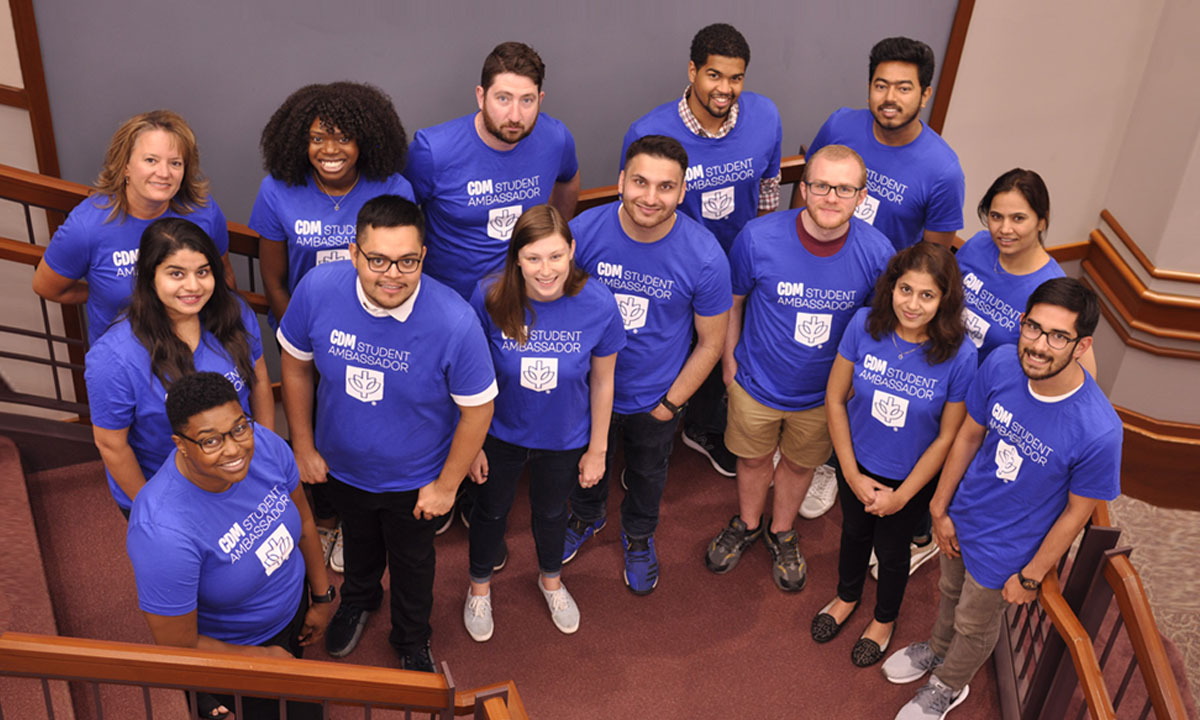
[[478, 398], [292, 349]]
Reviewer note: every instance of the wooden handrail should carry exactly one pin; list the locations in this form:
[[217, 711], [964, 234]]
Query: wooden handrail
[[1161, 684], [1079, 644]]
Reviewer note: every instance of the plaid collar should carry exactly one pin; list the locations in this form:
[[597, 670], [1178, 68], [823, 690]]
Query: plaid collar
[[689, 118]]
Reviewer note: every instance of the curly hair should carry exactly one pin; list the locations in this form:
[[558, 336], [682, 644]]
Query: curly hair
[[193, 394], [363, 112], [946, 330], [193, 189], [719, 39]]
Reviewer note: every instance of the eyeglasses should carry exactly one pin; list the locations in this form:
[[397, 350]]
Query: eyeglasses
[[380, 264], [212, 444], [1030, 330], [821, 189]]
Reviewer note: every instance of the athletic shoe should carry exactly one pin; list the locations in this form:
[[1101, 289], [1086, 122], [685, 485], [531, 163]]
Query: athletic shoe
[[712, 446], [641, 564], [933, 701], [788, 568], [420, 660], [918, 556], [477, 616], [911, 663], [503, 557], [727, 547], [446, 521], [624, 484], [563, 610], [337, 554], [578, 533], [328, 536], [821, 493], [464, 502], [345, 630]]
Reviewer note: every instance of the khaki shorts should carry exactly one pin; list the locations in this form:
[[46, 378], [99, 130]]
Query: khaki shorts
[[755, 430]]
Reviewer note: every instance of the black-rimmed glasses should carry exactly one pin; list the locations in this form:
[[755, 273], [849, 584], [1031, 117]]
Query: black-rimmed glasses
[[821, 189], [1030, 330], [212, 444], [380, 264]]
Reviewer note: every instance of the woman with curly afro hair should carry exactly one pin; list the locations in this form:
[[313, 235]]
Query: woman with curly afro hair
[[328, 149]]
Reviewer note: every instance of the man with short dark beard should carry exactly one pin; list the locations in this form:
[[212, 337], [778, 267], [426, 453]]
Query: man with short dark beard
[[475, 175], [1039, 449]]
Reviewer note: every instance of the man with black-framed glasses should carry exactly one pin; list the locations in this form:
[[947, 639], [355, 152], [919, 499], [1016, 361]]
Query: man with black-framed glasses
[[1039, 450], [405, 398]]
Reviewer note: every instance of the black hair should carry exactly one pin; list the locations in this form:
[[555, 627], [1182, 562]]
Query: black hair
[[719, 39], [1069, 294], [945, 329], [1029, 184], [905, 50], [193, 394], [363, 112], [388, 211], [661, 146], [512, 57]]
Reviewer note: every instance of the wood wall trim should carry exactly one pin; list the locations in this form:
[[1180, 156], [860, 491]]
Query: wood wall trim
[[1165, 429], [954, 51], [1153, 270], [1155, 457], [1128, 339], [1158, 314], [14, 97], [1069, 253], [29, 53]]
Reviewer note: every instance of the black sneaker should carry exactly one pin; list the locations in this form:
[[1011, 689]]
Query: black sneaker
[[788, 568], [727, 547], [345, 630], [712, 446], [420, 660]]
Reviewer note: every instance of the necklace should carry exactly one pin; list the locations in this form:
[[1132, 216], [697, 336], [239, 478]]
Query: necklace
[[904, 353], [337, 204]]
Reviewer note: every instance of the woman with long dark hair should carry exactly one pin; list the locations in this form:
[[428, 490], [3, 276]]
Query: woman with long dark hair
[[554, 338], [182, 318], [894, 402], [151, 170]]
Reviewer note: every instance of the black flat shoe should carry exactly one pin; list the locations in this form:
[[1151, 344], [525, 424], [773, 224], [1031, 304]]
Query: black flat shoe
[[824, 627], [867, 652]]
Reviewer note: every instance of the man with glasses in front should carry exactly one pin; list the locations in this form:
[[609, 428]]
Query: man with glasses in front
[[1039, 449], [406, 388], [798, 278]]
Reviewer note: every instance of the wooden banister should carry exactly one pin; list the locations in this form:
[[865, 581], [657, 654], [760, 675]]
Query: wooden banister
[[1079, 644], [1148, 647]]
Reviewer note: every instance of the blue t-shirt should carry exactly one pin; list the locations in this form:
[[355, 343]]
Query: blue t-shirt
[[993, 298], [389, 389], [797, 306], [896, 410], [303, 217], [544, 399], [1033, 454], [230, 556], [124, 393], [911, 188], [88, 247], [472, 195], [723, 174], [659, 286]]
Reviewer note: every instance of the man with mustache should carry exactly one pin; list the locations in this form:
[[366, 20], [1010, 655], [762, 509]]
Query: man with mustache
[[473, 176], [734, 145], [915, 185], [1039, 450]]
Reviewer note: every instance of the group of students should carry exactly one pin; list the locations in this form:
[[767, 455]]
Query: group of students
[[442, 324]]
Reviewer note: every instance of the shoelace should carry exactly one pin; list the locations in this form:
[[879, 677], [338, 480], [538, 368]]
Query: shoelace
[[822, 481], [479, 605], [789, 553], [558, 599], [935, 698], [728, 539]]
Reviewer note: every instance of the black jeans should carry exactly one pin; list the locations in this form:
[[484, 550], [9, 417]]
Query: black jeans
[[648, 442], [890, 537], [707, 409], [380, 532], [552, 474]]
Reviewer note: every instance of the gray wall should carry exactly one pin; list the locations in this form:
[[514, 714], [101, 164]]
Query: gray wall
[[226, 66]]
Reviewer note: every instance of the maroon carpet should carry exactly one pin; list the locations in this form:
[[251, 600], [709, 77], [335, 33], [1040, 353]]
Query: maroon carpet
[[700, 646]]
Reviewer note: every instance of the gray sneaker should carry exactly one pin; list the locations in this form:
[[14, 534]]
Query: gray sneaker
[[933, 701], [910, 663], [477, 616], [563, 610], [788, 569]]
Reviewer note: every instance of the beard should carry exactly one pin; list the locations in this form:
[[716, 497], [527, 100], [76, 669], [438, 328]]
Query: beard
[[498, 131]]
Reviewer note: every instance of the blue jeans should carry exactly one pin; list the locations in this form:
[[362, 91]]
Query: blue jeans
[[552, 474], [648, 443]]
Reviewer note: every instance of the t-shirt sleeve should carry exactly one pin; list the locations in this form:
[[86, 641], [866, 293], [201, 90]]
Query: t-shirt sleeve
[[293, 328], [264, 218], [420, 170], [962, 373], [399, 185], [470, 374], [218, 227], [944, 212], [714, 292], [848, 347], [741, 264], [69, 253], [253, 330], [612, 339], [112, 398], [1097, 471], [981, 384], [479, 305], [282, 458], [777, 153], [570, 163], [166, 567], [630, 136], [822, 138]]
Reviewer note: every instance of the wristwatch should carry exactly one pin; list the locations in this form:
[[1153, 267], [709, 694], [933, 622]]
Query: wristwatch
[[326, 597], [1028, 583], [675, 409]]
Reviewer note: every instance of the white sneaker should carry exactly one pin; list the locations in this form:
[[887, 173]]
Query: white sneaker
[[327, 536], [821, 493], [933, 701], [563, 610], [477, 616], [337, 554], [918, 556]]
